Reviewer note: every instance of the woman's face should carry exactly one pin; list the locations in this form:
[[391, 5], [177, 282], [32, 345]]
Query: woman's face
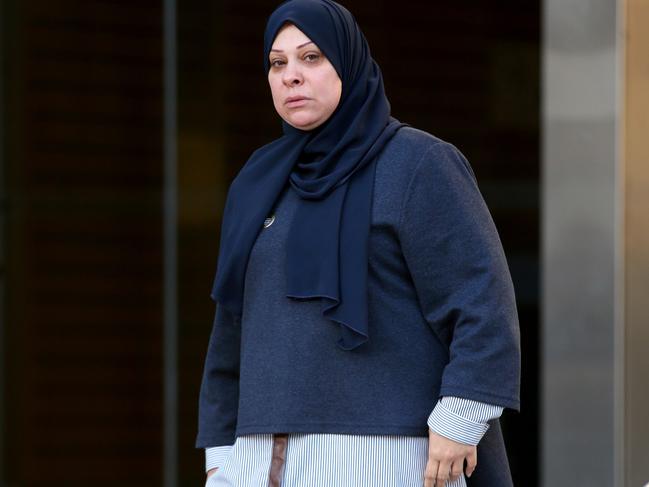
[[305, 86]]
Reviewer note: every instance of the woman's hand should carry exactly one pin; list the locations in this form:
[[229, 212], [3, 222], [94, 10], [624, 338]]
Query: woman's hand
[[211, 472], [446, 460]]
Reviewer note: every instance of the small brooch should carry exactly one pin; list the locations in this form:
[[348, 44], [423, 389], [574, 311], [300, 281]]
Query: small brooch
[[269, 221]]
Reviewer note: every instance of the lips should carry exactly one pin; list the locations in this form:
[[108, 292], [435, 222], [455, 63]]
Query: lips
[[296, 101]]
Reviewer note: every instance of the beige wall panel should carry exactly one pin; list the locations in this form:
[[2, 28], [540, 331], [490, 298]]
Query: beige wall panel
[[636, 293]]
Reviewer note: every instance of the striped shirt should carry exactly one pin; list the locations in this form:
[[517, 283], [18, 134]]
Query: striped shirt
[[350, 460]]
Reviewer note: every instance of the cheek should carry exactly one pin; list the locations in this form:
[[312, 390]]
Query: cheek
[[339, 90], [335, 91], [275, 91]]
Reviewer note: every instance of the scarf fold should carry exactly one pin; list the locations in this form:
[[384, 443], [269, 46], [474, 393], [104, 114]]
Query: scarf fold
[[331, 168]]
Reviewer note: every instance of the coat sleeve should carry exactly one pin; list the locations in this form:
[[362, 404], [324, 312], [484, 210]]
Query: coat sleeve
[[219, 394], [457, 263]]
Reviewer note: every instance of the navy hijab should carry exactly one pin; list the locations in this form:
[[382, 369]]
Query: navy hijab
[[332, 170]]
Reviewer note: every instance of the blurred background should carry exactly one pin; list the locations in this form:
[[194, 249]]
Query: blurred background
[[122, 124]]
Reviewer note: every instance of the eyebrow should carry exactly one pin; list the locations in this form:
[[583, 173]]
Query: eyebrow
[[298, 47]]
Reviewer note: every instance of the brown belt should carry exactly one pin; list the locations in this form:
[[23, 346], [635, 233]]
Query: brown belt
[[278, 461]]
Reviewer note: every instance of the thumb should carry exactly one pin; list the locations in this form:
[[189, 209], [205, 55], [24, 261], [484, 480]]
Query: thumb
[[471, 462]]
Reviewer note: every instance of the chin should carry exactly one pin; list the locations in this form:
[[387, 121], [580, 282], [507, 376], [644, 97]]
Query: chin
[[302, 123]]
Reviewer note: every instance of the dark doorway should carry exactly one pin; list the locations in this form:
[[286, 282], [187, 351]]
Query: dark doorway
[[81, 321]]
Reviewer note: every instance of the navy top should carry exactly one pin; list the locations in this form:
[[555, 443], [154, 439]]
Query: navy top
[[441, 310]]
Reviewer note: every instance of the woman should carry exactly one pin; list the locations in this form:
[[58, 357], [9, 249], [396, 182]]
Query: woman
[[365, 329]]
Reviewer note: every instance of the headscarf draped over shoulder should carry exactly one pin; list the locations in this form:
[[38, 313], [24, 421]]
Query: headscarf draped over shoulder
[[332, 170]]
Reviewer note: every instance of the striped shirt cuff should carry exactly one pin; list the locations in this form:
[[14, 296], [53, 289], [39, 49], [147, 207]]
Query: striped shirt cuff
[[462, 420], [215, 456]]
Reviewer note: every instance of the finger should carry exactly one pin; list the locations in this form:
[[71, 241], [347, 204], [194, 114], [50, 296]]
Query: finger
[[456, 469], [442, 473], [471, 463], [430, 473]]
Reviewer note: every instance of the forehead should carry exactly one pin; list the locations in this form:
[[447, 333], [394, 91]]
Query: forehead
[[289, 37]]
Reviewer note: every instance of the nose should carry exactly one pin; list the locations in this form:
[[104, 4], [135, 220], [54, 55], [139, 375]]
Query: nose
[[292, 75]]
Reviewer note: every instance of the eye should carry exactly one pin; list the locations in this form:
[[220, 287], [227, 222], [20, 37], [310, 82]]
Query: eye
[[276, 63], [312, 57]]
